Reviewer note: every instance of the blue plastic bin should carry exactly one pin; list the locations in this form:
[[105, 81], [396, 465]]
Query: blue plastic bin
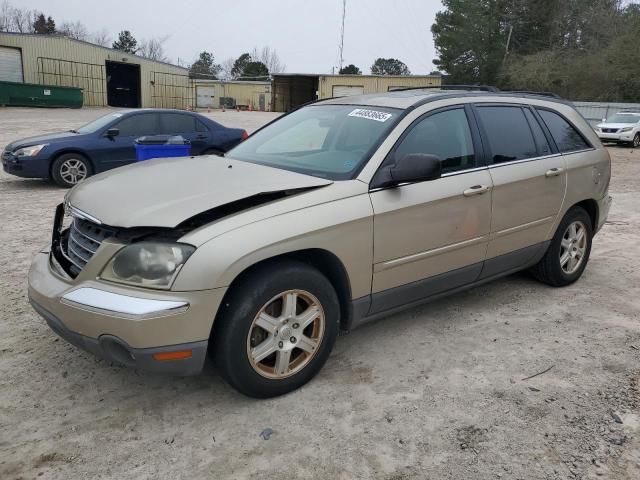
[[161, 146]]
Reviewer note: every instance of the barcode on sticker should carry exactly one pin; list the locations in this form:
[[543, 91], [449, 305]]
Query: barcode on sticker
[[371, 114]]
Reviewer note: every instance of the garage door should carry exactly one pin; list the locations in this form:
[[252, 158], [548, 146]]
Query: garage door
[[204, 96], [347, 90], [11, 65]]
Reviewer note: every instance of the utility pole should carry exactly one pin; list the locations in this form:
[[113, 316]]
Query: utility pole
[[344, 12]]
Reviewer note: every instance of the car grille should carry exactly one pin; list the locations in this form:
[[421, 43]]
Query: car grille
[[610, 130], [83, 240]]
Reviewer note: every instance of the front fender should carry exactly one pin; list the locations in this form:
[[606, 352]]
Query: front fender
[[343, 227]]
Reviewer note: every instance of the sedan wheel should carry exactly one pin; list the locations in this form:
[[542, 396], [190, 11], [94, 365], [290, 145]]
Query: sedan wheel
[[286, 334], [636, 141], [573, 247], [73, 170]]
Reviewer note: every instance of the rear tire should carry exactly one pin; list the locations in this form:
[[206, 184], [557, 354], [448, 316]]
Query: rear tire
[[568, 254], [70, 169], [276, 329]]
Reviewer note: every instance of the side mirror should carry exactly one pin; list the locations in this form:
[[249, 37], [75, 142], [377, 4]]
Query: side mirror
[[604, 120], [414, 167], [112, 132]]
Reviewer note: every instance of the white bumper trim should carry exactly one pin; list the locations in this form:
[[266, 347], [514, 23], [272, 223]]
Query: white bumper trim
[[114, 304]]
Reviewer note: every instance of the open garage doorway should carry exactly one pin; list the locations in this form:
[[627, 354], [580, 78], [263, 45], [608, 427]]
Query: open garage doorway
[[292, 90], [123, 85]]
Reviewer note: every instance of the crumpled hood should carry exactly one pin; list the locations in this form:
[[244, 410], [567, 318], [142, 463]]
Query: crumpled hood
[[165, 192], [48, 138]]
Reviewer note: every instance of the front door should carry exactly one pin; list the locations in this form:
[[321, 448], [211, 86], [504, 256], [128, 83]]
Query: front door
[[529, 185], [120, 150], [432, 236]]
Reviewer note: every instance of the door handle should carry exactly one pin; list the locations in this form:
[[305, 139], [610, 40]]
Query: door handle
[[554, 172], [201, 136], [476, 190]]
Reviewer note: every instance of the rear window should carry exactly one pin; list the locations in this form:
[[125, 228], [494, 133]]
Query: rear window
[[508, 133], [565, 135]]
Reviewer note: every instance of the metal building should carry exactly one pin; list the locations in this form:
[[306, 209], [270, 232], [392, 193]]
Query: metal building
[[215, 93], [291, 90], [107, 76]]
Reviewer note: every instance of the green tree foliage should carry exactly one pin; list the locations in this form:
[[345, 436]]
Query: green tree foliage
[[254, 71], [389, 66], [44, 25], [350, 70], [240, 64], [205, 67], [580, 49], [125, 42]]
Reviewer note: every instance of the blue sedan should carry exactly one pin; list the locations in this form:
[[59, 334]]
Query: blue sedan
[[108, 142]]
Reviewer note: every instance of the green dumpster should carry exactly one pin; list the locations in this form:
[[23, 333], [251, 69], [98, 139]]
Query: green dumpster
[[32, 95]]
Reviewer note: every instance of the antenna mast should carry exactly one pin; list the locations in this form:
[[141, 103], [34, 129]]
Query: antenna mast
[[344, 12]]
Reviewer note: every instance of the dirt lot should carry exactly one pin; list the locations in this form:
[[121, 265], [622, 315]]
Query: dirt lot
[[435, 392]]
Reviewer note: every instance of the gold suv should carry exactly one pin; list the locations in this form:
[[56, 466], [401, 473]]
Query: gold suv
[[336, 214]]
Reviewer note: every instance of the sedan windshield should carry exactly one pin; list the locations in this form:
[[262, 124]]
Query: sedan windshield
[[624, 118], [328, 141], [99, 123]]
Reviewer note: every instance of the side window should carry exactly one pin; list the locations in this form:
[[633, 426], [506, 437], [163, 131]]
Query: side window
[[137, 125], [445, 134], [200, 126], [508, 133], [541, 140], [565, 135], [175, 123]]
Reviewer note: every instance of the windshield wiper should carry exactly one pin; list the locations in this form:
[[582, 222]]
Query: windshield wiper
[[73, 131]]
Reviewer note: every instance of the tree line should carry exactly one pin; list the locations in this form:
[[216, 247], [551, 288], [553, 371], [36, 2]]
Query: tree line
[[579, 49]]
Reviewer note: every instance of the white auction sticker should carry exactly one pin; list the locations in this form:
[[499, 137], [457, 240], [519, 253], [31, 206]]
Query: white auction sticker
[[371, 114]]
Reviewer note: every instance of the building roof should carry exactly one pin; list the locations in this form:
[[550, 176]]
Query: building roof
[[349, 75], [84, 42]]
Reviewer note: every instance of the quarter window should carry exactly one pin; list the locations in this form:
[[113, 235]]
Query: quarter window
[[508, 133], [565, 135], [137, 125], [445, 134]]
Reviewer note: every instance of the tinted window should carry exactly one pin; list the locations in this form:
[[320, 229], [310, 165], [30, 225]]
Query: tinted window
[[444, 134], [200, 126], [541, 140], [171, 123], [137, 125], [508, 133], [566, 136]]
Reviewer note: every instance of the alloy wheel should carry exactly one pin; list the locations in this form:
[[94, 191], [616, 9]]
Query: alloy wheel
[[573, 247], [73, 170], [285, 334], [636, 141]]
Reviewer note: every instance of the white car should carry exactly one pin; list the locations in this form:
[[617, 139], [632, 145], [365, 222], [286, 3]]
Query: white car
[[622, 127]]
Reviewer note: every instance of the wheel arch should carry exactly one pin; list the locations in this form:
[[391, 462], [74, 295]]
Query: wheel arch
[[591, 207], [322, 260]]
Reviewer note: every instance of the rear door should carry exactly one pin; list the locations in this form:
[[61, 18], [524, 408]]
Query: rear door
[[432, 236], [115, 151], [529, 183], [188, 127]]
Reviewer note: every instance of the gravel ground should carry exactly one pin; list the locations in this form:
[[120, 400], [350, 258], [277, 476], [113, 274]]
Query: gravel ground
[[434, 392]]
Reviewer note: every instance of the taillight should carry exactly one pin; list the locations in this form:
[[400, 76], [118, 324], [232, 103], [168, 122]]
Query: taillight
[[244, 136]]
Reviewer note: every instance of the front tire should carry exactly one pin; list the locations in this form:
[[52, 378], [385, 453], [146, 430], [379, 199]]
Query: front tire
[[70, 169], [636, 141], [568, 254], [276, 329]]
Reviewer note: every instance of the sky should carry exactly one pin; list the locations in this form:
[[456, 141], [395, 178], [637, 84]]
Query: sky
[[305, 33]]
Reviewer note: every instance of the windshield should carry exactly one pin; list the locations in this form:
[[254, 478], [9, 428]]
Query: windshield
[[328, 141], [624, 118], [98, 123]]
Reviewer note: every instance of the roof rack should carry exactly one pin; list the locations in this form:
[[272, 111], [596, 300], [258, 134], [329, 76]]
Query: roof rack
[[530, 92], [481, 88]]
